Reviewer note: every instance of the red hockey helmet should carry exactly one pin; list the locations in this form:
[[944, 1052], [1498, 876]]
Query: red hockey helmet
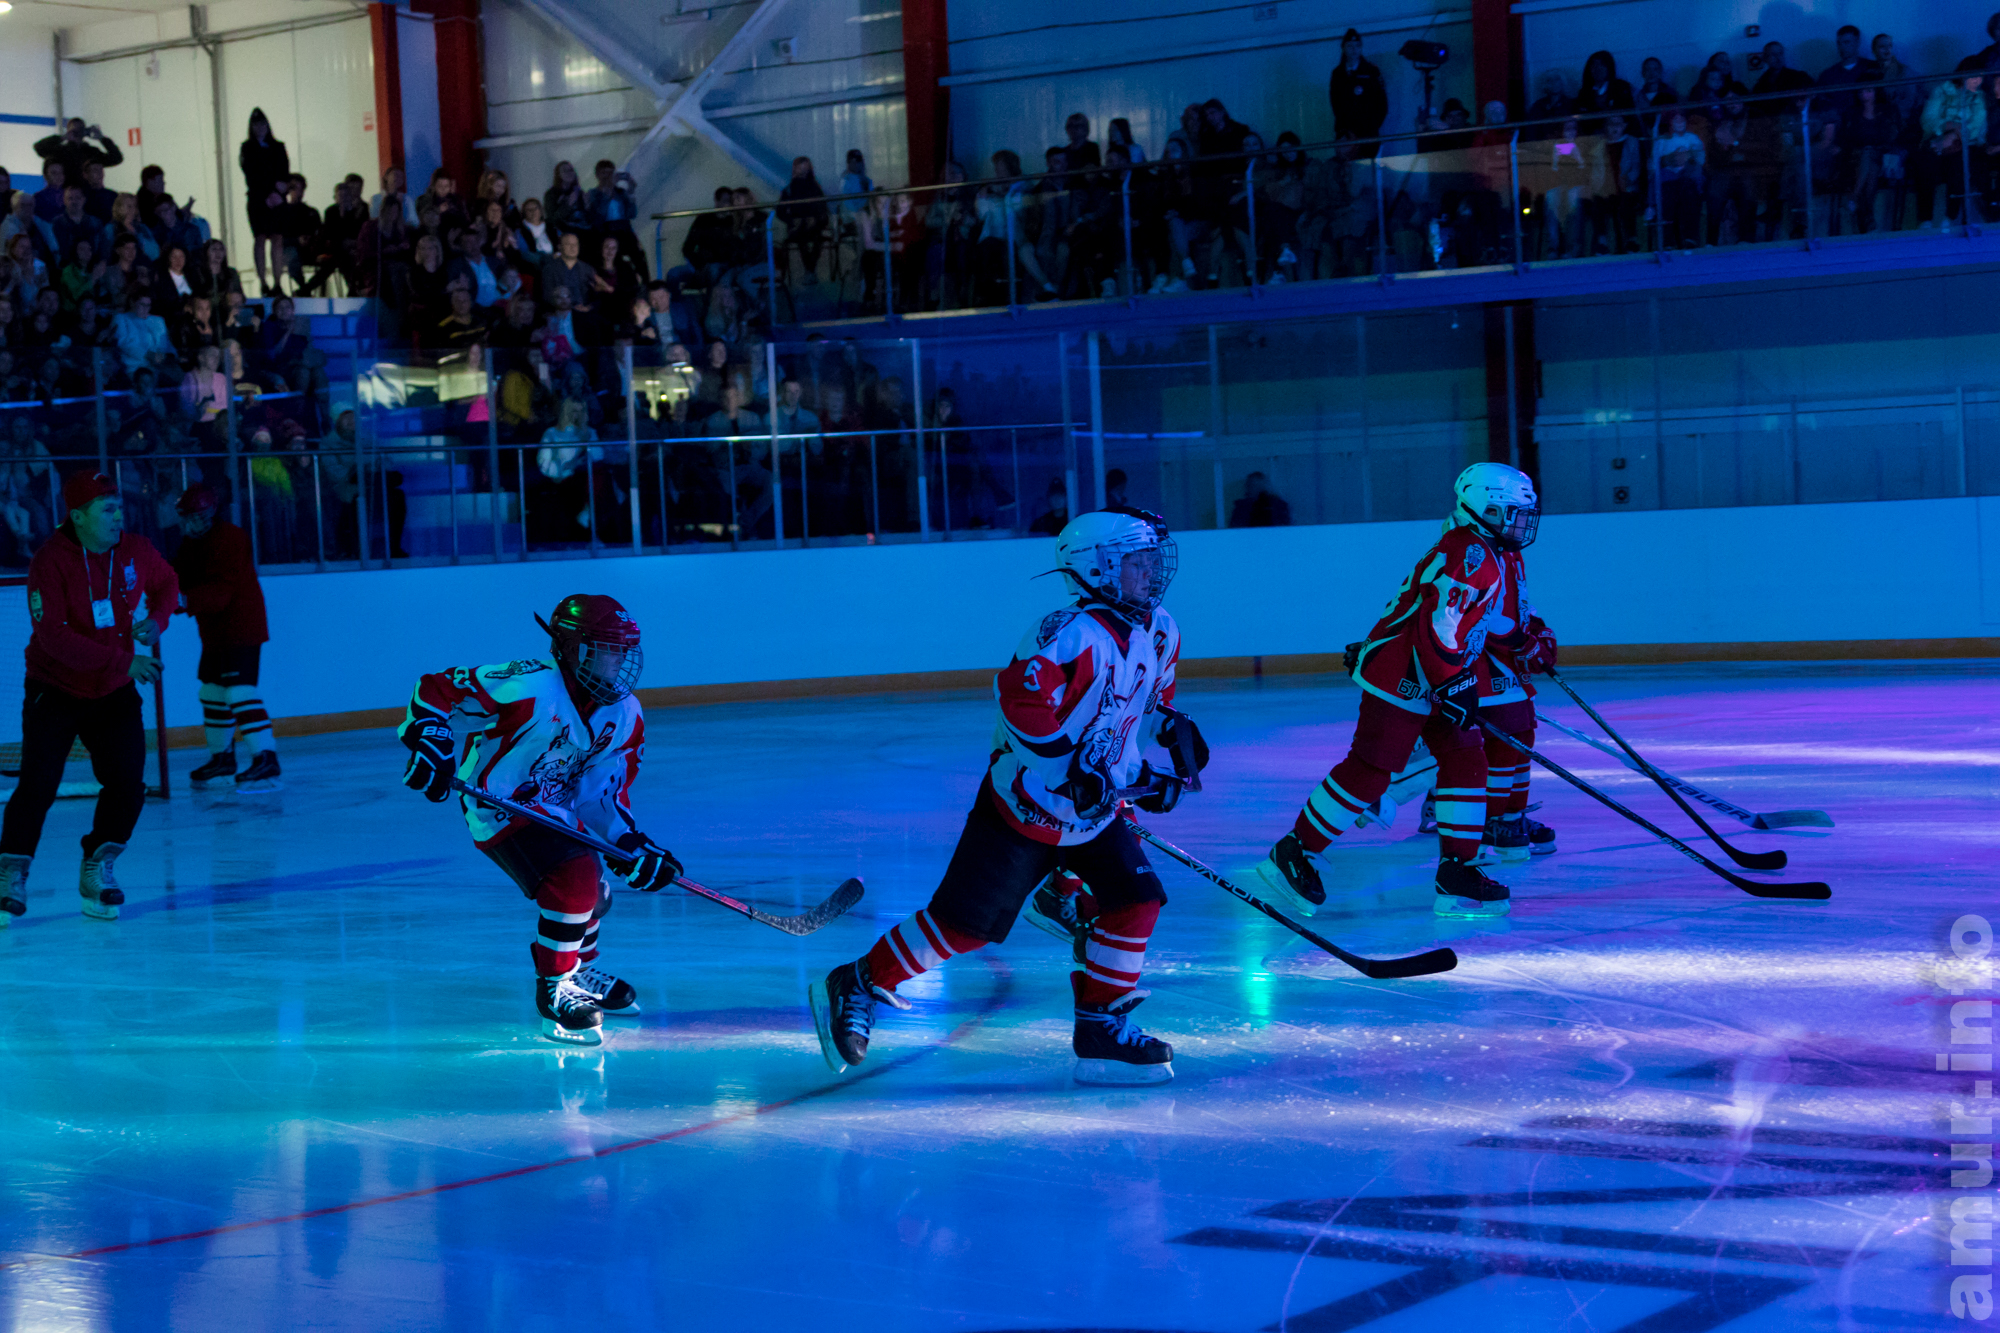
[[596, 644]]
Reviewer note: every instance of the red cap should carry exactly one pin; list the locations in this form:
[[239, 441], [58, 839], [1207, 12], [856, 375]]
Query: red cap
[[83, 487], [195, 499]]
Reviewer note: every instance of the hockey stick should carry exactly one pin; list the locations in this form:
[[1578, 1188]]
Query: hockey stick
[[1381, 969], [805, 923], [1767, 821], [1817, 892], [1748, 860]]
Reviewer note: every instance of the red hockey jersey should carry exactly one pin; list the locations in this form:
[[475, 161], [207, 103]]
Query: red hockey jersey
[[1085, 685], [1435, 624], [1509, 626]]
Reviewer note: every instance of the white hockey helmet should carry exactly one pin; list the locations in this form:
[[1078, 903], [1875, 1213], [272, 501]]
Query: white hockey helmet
[[1499, 501], [1121, 557]]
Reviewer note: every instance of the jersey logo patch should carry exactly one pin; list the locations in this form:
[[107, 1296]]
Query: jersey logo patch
[[35, 606], [1409, 689], [1051, 626], [557, 770], [526, 666], [1475, 556]]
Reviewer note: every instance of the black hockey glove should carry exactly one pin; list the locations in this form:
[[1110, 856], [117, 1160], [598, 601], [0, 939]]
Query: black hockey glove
[[1089, 790], [1540, 652], [1458, 698], [1166, 793], [431, 749], [653, 867], [1182, 739], [1350, 657]]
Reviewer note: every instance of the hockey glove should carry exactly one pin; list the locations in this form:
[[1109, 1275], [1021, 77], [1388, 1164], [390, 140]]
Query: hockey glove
[[1089, 790], [1181, 738], [653, 867], [1458, 698], [431, 749], [1540, 652], [1166, 793]]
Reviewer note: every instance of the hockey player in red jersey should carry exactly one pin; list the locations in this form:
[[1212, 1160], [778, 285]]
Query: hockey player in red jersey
[[1419, 672], [1518, 645], [1088, 687], [564, 735]]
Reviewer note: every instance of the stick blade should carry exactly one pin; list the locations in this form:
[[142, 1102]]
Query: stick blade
[[1417, 965], [1774, 819], [1818, 893], [1761, 860], [837, 905]]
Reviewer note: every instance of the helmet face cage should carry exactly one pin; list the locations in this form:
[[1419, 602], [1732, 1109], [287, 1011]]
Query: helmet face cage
[[607, 671], [1512, 526], [1111, 559]]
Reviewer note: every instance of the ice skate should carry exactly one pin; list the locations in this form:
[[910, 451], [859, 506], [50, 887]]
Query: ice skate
[[1541, 838], [1111, 1051], [1053, 908], [569, 1013], [1290, 874], [99, 886], [218, 767], [1427, 818], [1506, 837], [262, 775], [614, 995], [843, 1009], [13, 887], [1463, 890]]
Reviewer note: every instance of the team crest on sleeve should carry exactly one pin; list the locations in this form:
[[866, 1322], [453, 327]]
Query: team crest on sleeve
[[1051, 626], [35, 605], [1475, 556], [526, 666], [1160, 643]]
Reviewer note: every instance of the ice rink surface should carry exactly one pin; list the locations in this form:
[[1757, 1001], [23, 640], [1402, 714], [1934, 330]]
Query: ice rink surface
[[298, 1085]]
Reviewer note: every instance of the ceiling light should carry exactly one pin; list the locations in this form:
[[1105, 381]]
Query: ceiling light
[[5, 7]]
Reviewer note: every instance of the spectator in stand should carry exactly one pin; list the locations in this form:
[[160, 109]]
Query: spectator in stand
[[1554, 105], [142, 340], [337, 249], [612, 206], [78, 146], [49, 199], [1777, 78], [1723, 61], [1870, 132], [1654, 92], [428, 276], [152, 189], [73, 224], [1679, 160], [462, 325], [1357, 94], [1055, 513], [77, 279], [710, 248], [1955, 112], [1908, 100], [172, 284], [1736, 162], [854, 179], [198, 328], [218, 579], [1281, 199], [1188, 136], [172, 226], [804, 215], [382, 255], [1563, 180], [85, 656], [1260, 507], [395, 189], [1602, 90], [1617, 173], [564, 204], [204, 391], [443, 195], [212, 277], [1118, 134], [298, 229], [1849, 67], [619, 280], [266, 166], [97, 200], [1115, 482], [537, 239], [21, 221], [1081, 151], [471, 267], [568, 273]]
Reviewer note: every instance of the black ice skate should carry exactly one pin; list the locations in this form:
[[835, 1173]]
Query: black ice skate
[[1541, 838], [1427, 818], [13, 886], [218, 767], [1517, 837], [262, 775], [1111, 1051], [101, 895], [1464, 890], [1056, 912], [843, 1009], [1292, 876], [569, 1014], [614, 995]]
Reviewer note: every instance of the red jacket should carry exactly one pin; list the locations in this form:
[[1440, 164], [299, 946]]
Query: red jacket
[[67, 649], [219, 579]]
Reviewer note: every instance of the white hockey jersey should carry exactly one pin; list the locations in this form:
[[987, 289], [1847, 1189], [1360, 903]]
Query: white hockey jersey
[[520, 736], [1085, 681]]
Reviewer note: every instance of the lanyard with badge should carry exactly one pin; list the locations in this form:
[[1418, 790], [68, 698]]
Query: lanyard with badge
[[102, 615]]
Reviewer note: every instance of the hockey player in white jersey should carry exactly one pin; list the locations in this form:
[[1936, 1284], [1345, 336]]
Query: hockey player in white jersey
[[1088, 688], [563, 735]]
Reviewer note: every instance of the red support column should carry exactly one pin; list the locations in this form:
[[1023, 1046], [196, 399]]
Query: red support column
[[1498, 73], [926, 104], [461, 88], [388, 86]]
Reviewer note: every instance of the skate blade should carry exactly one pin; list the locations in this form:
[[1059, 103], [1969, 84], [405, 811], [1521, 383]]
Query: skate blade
[[1542, 849], [260, 786], [1514, 855], [1267, 872], [629, 1011], [555, 1031], [1487, 855], [1470, 909], [100, 911], [1118, 1074], [822, 1010], [1054, 928]]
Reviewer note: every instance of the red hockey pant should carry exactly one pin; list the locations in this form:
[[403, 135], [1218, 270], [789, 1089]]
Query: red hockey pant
[[1507, 767], [1383, 738]]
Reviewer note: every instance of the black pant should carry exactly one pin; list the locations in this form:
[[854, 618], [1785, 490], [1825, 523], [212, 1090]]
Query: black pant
[[994, 869], [114, 734]]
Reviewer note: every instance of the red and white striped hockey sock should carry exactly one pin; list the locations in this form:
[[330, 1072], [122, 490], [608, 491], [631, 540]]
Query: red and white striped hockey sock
[[218, 723], [915, 947], [250, 717], [1113, 955], [568, 902], [1506, 788], [1332, 809], [1461, 802]]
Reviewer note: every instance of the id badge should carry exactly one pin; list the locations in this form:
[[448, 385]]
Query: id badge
[[101, 613]]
